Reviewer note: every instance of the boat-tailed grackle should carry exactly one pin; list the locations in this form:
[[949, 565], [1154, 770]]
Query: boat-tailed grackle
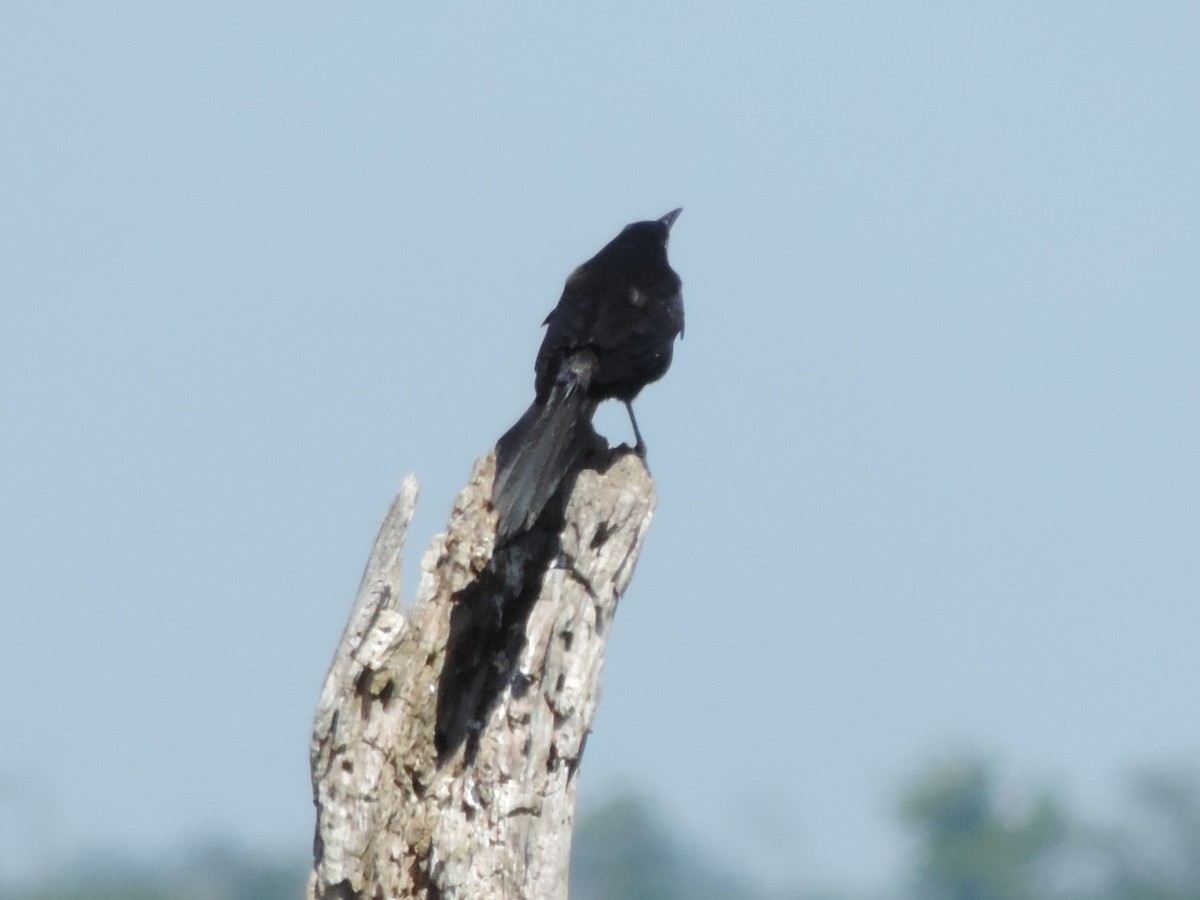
[[612, 333]]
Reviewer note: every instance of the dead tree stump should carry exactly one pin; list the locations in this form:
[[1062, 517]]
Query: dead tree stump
[[448, 738]]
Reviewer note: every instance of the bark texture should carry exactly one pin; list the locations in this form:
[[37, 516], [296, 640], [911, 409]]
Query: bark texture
[[447, 741]]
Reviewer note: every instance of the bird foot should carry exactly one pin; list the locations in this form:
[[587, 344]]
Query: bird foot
[[625, 447], [638, 450], [640, 447]]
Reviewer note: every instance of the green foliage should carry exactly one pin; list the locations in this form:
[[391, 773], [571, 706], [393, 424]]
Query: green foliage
[[973, 840], [974, 843], [973, 847], [622, 851], [211, 872], [1155, 855]]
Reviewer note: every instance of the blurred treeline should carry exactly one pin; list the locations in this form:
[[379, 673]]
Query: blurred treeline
[[970, 836]]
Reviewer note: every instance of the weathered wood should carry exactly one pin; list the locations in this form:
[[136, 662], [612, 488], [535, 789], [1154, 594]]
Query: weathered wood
[[446, 744]]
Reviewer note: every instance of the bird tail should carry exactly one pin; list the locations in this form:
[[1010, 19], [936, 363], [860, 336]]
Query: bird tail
[[537, 453]]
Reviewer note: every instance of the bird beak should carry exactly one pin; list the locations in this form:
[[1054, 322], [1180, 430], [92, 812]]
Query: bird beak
[[669, 218]]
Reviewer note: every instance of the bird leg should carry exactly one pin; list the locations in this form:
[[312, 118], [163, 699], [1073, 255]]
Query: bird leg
[[640, 447]]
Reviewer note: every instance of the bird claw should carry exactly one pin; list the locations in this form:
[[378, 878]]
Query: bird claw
[[640, 447]]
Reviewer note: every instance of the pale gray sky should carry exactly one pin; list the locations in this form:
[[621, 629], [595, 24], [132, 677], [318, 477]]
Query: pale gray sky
[[927, 456]]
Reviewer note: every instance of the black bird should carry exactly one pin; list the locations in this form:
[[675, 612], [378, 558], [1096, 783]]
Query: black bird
[[612, 333]]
